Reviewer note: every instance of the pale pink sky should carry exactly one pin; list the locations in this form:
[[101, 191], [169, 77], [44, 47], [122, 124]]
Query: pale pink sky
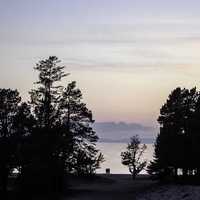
[[126, 56]]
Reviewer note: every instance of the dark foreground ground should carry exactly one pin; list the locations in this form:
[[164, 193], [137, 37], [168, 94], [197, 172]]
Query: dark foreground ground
[[100, 187], [113, 187], [109, 187]]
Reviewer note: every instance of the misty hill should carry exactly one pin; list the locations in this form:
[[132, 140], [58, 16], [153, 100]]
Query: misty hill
[[122, 131]]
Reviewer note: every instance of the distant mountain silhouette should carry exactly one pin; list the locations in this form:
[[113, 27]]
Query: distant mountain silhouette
[[126, 140], [122, 131]]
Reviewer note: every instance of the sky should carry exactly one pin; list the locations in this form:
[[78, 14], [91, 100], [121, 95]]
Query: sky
[[126, 55]]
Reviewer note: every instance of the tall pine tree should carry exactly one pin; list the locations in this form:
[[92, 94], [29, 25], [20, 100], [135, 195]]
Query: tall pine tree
[[173, 147], [45, 141], [82, 155]]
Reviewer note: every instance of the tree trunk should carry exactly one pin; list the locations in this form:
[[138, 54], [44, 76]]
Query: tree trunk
[[133, 176]]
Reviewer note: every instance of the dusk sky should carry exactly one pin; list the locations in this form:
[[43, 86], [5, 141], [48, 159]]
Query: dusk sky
[[126, 55]]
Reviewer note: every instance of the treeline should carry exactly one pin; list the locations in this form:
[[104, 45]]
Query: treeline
[[49, 136], [177, 147]]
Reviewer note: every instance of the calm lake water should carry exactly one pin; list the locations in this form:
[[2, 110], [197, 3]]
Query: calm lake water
[[112, 152]]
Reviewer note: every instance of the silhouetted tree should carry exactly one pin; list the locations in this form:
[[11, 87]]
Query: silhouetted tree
[[62, 130], [46, 138], [194, 126], [86, 163], [24, 124], [132, 157], [45, 98], [81, 154], [174, 147], [9, 102]]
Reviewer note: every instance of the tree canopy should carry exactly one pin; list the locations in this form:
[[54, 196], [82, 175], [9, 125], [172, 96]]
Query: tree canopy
[[49, 136], [176, 146], [132, 157]]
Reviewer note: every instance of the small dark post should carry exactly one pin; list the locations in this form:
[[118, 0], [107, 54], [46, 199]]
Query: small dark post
[[107, 170]]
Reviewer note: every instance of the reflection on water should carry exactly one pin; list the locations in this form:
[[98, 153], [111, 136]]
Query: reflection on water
[[112, 152]]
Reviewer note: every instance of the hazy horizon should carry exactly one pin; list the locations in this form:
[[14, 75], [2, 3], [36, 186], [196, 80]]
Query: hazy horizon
[[121, 132]]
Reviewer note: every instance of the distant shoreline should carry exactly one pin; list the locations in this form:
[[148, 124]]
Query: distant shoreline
[[126, 140]]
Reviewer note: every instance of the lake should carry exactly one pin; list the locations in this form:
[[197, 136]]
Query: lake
[[112, 152]]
